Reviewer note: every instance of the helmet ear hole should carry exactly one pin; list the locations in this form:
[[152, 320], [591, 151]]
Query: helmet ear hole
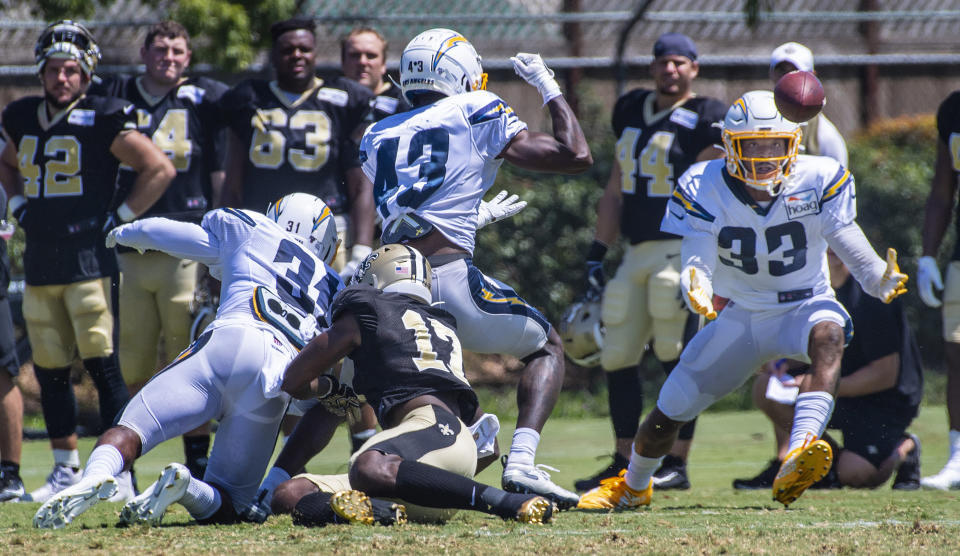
[[310, 221]]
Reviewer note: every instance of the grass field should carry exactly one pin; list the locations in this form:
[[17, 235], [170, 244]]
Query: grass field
[[710, 518]]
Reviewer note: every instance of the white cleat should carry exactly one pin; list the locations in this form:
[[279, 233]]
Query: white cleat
[[60, 478], [125, 491], [530, 479], [70, 502], [947, 479], [149, 507]]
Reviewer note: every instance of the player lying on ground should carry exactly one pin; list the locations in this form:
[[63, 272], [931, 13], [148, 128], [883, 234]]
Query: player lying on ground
[[276, 292], [766, 215], [407, 362]]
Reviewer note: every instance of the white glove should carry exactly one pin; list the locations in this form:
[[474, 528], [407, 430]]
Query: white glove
[[111, 240], [357, 254], [928, 278], [498, 208], [892, 282], [698, 292], [532, 69]]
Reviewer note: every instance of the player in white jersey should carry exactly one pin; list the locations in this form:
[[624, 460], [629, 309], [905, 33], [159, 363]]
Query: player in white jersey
[[755, 229], [275, 294], [430, 167]]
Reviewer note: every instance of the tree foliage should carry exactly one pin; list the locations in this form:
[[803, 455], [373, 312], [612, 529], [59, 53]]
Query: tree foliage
[[228, 33]]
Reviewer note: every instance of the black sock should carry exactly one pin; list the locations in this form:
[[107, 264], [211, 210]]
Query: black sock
[[195, 450], [111, 389], [11, 467], [426, 485], [57, 401], [686, 431], [625, 396], [313, 510]]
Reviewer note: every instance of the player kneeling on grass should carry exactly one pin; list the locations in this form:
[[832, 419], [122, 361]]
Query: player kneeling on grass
[[755, 228], [277, 287], [407, 362]]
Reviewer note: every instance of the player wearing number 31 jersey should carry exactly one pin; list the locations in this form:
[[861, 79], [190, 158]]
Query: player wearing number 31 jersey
[[276, 293]]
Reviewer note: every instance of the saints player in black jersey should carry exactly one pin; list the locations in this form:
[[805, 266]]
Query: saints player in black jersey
[[180, 115], [363, 58], [407, 362], [60, 168], [660, 133], [298, 134]]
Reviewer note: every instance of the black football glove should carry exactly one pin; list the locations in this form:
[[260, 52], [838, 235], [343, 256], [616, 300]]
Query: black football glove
[[596, 279], [340, 398]]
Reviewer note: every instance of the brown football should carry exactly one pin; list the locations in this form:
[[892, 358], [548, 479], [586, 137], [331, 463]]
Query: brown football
[[799, 96]]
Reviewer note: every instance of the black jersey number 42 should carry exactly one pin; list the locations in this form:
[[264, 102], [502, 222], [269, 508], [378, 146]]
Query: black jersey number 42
[[745, 241]]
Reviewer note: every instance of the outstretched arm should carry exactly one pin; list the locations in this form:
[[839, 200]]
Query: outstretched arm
[[182, 240], [880, 279], [322, 353]]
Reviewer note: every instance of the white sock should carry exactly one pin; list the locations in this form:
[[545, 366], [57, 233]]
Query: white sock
[[104, 461], [273, 480], [523, 449], [200, 499], [69, 458], [810, 416], [640, 470]]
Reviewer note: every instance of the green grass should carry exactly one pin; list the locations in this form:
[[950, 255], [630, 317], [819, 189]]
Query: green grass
[[709, 518]]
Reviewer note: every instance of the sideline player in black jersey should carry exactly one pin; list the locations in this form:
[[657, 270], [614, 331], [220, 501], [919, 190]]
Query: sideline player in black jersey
[[660, 133], [940, 204], [407, 362], [363, 58], [60, 168], [298, 134], [180, 115]]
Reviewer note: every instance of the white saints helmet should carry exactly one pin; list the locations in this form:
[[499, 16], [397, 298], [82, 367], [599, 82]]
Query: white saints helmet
[[67, 39], [441, 61], [755, 116], [310, 221], [396, 268], [582, 332]]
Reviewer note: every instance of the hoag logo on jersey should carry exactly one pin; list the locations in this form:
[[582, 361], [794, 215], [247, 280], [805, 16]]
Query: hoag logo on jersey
[[801, 203]]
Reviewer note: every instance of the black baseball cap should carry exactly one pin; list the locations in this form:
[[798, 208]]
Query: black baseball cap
[[675, 44]]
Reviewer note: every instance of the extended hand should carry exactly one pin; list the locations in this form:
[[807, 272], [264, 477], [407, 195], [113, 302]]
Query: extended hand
[[893, 281], [928, 278], [699, 294], [498, 208]]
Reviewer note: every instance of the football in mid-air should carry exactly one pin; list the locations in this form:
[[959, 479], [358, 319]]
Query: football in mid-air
[[799, 96]]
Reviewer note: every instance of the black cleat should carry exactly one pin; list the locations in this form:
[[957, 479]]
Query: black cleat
[[672, 474], [762, 481], [11, 486], [618, 464], [908, 474]]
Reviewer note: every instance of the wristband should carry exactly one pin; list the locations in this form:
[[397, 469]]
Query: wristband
[[16, 202], [597, 251], [125, 213]]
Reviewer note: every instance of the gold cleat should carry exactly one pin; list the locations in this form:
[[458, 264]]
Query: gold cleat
[[356, 507], [614, 494], [801, 468], [536, 511]]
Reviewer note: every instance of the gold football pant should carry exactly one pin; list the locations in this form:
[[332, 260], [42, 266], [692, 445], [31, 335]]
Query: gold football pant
[[642, 303], [420, 433], [64, 318], [156, 297]]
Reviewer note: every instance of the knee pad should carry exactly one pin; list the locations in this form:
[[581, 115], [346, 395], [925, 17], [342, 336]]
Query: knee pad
[[616, 303], [57, 401], [668, 338], [679, 398], [665, 300]]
